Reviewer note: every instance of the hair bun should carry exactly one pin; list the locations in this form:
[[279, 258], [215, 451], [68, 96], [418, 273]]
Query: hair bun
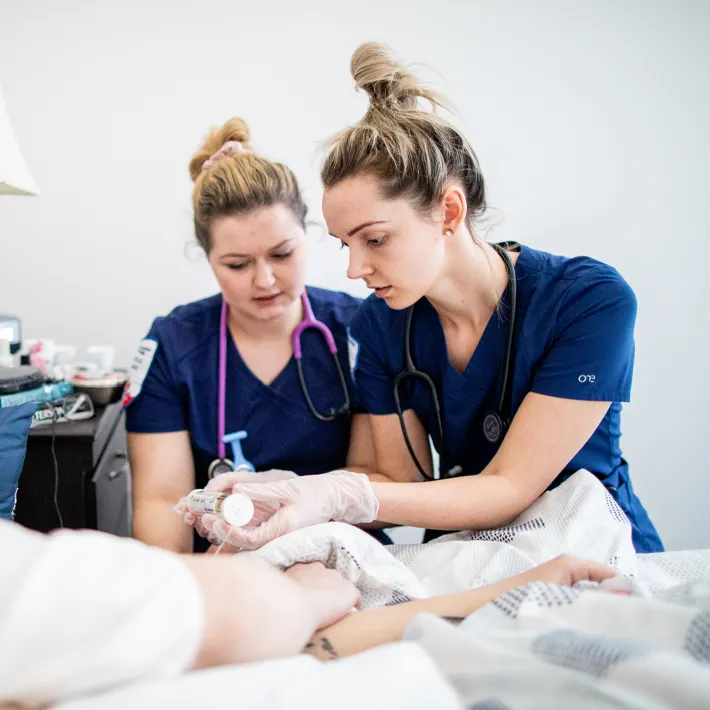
[[236, 129], [389, 84]]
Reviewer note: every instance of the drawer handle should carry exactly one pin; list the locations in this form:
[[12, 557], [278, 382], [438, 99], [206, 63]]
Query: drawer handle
[[115, 474]]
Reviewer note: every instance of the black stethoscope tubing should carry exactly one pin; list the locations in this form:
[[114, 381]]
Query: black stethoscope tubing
[[496, 423]]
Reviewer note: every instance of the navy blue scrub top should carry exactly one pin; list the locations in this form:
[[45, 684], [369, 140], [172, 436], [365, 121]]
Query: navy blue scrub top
[[180, 392], [574, 340]]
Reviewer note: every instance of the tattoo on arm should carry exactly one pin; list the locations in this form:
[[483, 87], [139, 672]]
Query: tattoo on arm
[[321, 647], [327, 646]]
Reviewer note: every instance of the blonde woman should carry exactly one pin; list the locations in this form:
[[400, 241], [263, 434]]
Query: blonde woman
[[226, 365], [514, 361]]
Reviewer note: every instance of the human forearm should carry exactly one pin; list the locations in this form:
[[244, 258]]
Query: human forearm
[[370, 471], [251, 611], [465, 503], [366, 629], [84, 611], [482, 501], [156, 523], [373, 478]]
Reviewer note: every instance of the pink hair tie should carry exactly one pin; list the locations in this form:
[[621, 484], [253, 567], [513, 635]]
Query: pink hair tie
[[230, 148]]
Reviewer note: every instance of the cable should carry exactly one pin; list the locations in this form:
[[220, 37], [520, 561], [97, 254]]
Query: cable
[[57, 409], [55, 416]]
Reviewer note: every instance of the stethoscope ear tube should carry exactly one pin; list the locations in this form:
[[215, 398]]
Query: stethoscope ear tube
[[496, 423], [400, 413], [222, 464], [513, 306], [333, 413]]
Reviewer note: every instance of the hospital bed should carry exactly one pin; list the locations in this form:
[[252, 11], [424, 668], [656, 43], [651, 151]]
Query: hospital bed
[[538, 646]]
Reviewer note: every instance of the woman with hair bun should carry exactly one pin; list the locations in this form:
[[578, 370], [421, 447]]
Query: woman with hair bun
[[225, 364], [513, 360]]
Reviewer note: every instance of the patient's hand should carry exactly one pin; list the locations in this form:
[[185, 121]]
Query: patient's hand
[[334, 595], [567, 570]]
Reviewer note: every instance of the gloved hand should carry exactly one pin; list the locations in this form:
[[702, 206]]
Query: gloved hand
[[192, 519], [226, 481], [307, 500], [224, 484]]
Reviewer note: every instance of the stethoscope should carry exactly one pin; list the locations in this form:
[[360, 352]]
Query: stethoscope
[[495, 423], [238, 461]]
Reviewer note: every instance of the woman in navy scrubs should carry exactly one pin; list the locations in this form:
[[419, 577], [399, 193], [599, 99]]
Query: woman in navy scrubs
[[528, 355], [250, 221]]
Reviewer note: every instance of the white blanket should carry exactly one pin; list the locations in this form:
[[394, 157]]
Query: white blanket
[[300, 683], [579, 517], [539, 646], [542, 646]]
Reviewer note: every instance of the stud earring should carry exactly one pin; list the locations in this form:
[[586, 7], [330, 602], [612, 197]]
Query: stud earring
[[448, 232]]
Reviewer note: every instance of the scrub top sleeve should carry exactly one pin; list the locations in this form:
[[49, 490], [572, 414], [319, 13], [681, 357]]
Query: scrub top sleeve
[[355, 405], [591, 356], [373, 380], [158, 406]]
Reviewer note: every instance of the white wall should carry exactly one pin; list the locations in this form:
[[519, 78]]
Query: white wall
[[590, 118]]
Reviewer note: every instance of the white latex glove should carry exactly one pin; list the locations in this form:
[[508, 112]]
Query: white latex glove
[[224, 484], [226, 481], [191, 519], [307, 500]]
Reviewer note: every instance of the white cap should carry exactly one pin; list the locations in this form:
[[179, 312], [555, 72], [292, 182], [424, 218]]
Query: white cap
[[238, 510]]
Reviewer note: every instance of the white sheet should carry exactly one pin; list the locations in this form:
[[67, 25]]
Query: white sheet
[[544, 646], [537, 647], [663, 570], [396, 677], [579, 517]]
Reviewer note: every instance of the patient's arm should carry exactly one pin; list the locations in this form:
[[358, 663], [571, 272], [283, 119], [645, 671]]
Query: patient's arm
[[367, 629], [82, 611], [253, 612]]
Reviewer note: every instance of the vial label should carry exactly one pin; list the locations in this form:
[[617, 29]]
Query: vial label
[[205, 502]]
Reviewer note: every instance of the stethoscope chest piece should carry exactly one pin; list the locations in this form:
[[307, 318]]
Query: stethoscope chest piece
[[219, 466], [494, 427], [224, 465]]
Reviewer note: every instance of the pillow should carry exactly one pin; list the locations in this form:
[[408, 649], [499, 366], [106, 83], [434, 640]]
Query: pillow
[[14, 428]]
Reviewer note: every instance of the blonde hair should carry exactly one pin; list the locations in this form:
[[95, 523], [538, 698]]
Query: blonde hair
[[238, 183], [413, 152]]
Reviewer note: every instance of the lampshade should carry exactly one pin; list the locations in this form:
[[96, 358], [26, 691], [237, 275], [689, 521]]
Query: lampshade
[[15, 178]]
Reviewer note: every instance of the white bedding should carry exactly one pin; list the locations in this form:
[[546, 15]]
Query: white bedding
[[544, 646], [355, 683], [537, 647], [579, 517]]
